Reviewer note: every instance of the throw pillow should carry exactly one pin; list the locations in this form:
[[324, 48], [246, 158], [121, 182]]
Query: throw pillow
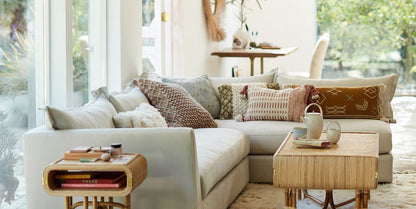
[[144, 116], [390, 82], [268, 104], [349, 102], [177, 107], [232, 102], [128, 99], [201, 90], [96, 114], [219, 81]]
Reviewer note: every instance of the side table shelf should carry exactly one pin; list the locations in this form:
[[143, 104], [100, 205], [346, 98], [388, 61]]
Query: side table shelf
[[133, 165]]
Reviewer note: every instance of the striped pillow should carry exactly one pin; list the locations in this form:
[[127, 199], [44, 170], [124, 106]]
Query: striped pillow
[[269, 104]]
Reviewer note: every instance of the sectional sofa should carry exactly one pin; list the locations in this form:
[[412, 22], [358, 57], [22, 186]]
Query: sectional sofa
[[198, 168]]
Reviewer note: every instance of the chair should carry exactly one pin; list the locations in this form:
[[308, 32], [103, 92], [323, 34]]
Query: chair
[[318, 56]]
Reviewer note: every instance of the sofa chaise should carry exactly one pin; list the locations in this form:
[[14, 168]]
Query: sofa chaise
[[201, 167]]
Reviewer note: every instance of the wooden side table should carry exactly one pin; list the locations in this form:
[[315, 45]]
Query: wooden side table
[[133, 165], [351, 164], [253, 53]]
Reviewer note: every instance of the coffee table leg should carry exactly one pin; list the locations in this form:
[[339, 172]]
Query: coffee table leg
[[299, 194], [293, 198], [127, 202], [68, 202], [290, 198], [110, 199], [85, 202], [358, 199], [366, 197]]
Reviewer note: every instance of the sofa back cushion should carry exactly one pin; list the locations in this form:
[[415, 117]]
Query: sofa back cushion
[[175, 104], [95, 114], [389, 81], [263, 78], [201, 90]]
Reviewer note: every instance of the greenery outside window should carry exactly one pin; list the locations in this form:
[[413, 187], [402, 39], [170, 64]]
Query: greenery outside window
[[17, 93], [370, 38]]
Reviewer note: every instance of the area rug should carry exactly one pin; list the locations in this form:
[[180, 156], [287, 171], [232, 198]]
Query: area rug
[[401, 193]]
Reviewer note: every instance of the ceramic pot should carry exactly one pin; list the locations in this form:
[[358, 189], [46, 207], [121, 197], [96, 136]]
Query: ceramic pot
[[314, 122], [333, 134], [241, 38]]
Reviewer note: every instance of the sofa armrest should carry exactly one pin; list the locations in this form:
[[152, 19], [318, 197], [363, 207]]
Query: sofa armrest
[[172, 181]]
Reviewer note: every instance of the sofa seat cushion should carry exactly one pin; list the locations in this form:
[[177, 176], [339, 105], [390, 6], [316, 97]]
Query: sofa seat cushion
[[266, 136], [218, 151]]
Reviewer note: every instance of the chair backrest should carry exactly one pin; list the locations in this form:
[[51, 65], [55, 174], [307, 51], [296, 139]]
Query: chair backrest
[[318, 56]]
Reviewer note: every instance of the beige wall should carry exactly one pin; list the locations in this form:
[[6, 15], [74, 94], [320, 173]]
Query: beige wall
[[286, 23]]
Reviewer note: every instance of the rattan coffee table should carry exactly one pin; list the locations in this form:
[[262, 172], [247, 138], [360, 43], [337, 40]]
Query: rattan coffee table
[[352, 164]]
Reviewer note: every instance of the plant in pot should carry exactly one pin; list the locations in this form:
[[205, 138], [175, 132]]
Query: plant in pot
[[8, 159], [241, 37]]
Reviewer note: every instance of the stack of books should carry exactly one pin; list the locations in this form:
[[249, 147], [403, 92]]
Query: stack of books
[[312, 143], [79, 153], [83, 179]]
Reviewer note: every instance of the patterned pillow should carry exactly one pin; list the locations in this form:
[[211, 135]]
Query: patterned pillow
[[390, 82], [268, 104], [177, 107], [201, 90], [144, 116], [232, 102], [349, 102], [95, 114]]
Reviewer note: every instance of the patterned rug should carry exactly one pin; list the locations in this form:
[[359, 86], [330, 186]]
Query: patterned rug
[[401, 193]]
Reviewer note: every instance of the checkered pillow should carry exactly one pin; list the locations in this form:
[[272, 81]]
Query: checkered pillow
[[269, 104], [177, 107]]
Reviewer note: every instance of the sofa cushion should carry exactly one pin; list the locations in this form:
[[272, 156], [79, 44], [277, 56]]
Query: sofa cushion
[[201, 90], [96, 114], [349, 102], [263, 78], [233, 102], [219, 150], [144, 116], [175, 104], [128, 99], [268, 104], [266, 136], [390, 82]]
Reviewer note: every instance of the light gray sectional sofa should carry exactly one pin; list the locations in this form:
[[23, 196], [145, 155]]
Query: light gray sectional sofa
[[193, 168]]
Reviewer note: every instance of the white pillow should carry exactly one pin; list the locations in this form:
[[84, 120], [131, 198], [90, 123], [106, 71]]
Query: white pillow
[[128, 99], [144, 116], [263, 78], [95, 114]]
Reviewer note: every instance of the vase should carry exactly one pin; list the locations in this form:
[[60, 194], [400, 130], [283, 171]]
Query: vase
[[241, 38]]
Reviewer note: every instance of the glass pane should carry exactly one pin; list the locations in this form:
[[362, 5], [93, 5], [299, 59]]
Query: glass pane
[[369, 38], [17, 104], [79, 51]]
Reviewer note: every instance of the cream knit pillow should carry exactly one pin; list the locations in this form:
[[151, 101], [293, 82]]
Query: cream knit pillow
[[144, 116]]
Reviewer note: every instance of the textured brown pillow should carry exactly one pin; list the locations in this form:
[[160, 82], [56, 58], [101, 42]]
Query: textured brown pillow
[[268, 104], [177, 107], [349, 102], [232, 102]]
